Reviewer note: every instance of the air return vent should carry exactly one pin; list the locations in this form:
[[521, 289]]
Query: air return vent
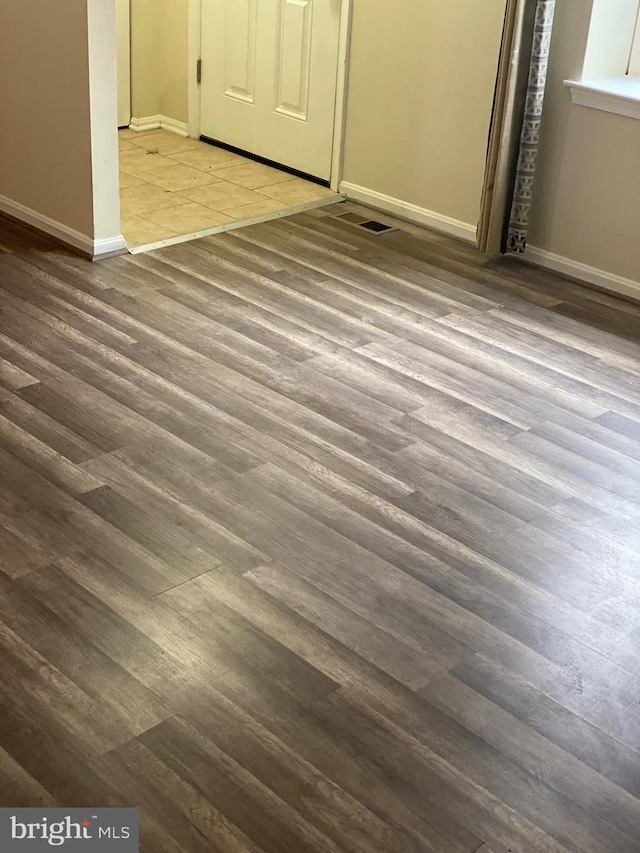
[[370, 225], [376, 227]]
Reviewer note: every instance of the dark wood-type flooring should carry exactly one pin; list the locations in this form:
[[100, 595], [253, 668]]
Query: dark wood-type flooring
[[315, 541]]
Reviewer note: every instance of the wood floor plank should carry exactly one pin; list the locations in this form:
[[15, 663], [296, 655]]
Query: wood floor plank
[[450, 262], [500, 379], [44, 460], [604, 754], [103, 698], [567, 450], [576, 364], [175, 815], [480, 600], [16, 237], [469, 295], [527, 454], [559, 326], [102, 425], [18, 787], [256, 808], [158, 536], [427, 781], [332, 258], [544, 761], [188, 534], [17, 557], [326, 805], [265, 597], [13, 378], [318, 540], [263, 291]]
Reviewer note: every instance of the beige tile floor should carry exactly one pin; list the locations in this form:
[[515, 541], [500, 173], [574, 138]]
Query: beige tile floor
[[171, 186]]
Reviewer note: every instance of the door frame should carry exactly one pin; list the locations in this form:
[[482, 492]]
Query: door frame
[[340, 115], [123, 58]]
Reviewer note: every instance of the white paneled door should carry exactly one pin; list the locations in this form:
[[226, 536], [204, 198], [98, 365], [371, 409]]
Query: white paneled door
[[269, 73], [123, 37]]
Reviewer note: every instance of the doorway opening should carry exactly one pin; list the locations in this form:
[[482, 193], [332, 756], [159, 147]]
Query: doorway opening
[[265, 114]]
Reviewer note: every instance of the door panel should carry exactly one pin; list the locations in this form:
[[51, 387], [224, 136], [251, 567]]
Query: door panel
[[293, 58], [241, 28], [269, 73]]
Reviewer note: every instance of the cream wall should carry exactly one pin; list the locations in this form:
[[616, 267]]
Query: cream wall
[[421, 83], [175, 41], [58, 139], [45, 137], [159, 51], [587, 195], [146, 57]]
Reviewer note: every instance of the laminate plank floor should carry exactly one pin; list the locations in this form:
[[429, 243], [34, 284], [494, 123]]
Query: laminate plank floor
[[314, 540]]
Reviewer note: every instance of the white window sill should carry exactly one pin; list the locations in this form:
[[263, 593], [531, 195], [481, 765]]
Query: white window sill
[[619, 95]]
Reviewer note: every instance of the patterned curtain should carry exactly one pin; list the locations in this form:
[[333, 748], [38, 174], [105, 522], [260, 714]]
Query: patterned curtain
[[515, 126]]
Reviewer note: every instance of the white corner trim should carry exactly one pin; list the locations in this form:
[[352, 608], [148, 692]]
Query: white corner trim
[[342, 84], [174, 126], [411, 212], [194, 54], [69, 236], [591, 275], [147, 123], [159, 122], [109, 246], [619, 95]]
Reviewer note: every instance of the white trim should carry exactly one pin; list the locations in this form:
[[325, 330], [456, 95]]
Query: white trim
[[634, 59], [620, 95], [591, 275], [241, 223], [607, 40], [408, 211], [159, 122], [69, 236], [103, 109], [108, 247], [339, 119], [147, 123], [340, 115], [123, 59], [194, 54], [174, 126]]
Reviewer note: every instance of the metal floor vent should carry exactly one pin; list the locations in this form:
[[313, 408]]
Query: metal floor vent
[[376, 227], [371, 225]]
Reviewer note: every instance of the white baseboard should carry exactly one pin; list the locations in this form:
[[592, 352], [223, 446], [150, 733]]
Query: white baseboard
[[159, 123], [408, 211], [108, 247], [590, 275], [147, 123], [575, 269], [69, 236], [171, 124]]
